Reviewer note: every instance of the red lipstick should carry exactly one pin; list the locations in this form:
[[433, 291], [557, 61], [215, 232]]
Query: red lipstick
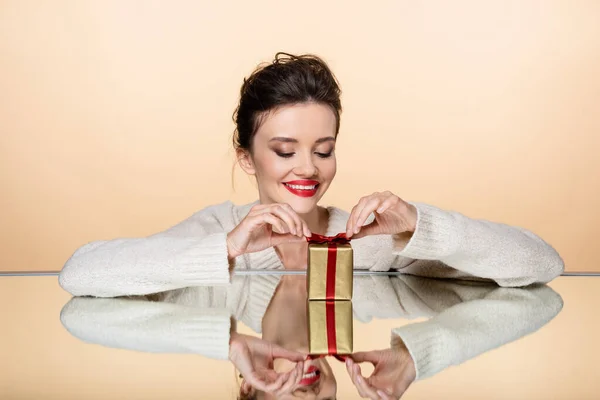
[[302, 192], [311, 376]]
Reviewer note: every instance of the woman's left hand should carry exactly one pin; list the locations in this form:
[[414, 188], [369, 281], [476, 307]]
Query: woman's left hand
[[392, 216]]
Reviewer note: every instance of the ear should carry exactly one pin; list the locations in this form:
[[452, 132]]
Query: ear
[[245, 160]]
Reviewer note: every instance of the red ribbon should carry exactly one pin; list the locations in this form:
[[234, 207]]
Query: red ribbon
[[340, 238]]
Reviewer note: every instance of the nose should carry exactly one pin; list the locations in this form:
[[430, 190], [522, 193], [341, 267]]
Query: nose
[[305, 167]]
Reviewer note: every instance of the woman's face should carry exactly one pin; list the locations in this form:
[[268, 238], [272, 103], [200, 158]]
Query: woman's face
[[294, 143], [318, 381]]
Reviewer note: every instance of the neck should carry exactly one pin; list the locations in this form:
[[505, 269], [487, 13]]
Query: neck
[[317, 220]]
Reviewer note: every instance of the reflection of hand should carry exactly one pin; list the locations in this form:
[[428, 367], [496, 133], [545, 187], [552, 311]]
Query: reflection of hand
[[253, 357], [394, 372]]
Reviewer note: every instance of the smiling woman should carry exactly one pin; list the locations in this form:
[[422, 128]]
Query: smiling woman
[[287, 122], [287, 125]]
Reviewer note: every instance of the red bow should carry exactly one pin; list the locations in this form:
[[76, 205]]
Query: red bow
[[340, 238]]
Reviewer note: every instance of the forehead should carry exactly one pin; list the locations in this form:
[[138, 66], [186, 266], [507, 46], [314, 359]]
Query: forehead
[[303, 122]]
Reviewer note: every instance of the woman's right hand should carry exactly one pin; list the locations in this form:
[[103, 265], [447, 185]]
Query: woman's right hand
[[266, 225], [254, 358]]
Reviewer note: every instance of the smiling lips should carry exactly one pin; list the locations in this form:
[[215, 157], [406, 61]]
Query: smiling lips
[[311, 376], [302, 188]]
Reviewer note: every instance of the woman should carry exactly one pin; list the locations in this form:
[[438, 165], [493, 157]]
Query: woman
[[287, 124]]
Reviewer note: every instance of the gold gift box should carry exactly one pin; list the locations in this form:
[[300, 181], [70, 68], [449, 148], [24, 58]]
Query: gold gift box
[[318, 255], [318, 337]]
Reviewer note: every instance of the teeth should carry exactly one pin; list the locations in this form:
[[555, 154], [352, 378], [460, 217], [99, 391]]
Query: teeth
[[301, 187], [311, 375]]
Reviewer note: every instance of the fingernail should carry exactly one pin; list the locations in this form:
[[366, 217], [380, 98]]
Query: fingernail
[[380, 209], [356, 229]]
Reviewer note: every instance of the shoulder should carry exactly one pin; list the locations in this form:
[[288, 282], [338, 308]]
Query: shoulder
[[213, 218]]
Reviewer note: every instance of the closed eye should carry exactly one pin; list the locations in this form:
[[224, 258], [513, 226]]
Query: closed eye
[[288, 155], [284, 155]]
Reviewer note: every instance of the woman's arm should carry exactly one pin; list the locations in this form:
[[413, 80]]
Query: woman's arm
[[149, 326], [509, 255], [470, 328], [191, 253]]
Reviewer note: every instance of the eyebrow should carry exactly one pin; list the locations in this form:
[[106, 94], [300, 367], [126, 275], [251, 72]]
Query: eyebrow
[[292, 140]]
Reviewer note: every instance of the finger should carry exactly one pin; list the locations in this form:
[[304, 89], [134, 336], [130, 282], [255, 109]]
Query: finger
[[288, 383], [367, 209], [275, 386], [245, 387], [384, 395], [280, 352], [367, 389], [307, 231], [287, 221], [365, 356], [301, 226], [293, 382], [349, 366], [300, 373], [255, 382], [366, 230], [386, 203], [351, 225], [274, 221], [355, 375], [285, 212]]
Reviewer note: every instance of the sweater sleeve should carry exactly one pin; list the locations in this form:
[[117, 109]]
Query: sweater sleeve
[[191, 253], [509, 255], [148, 326], [468, 329]]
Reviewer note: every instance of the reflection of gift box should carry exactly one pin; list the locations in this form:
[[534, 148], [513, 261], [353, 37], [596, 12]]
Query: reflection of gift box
[[330, 267], [329, 327]]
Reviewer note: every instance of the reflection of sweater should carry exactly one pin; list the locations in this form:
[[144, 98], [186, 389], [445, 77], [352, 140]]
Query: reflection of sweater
[[194, 253], [466, 318]]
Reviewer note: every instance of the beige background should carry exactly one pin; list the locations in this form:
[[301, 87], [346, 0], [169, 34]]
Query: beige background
[[115, 116], [41, 360]]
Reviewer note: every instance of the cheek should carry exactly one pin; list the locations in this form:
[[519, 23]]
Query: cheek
[[330, 169], [271, 167]]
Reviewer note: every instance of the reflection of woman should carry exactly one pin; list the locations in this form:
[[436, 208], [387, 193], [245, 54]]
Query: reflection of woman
[[465, 320], [287, 124]]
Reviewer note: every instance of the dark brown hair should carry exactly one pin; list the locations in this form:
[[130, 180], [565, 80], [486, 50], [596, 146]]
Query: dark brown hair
[[287, 80]]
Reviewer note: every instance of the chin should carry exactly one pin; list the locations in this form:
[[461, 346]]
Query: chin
[[303, 206]]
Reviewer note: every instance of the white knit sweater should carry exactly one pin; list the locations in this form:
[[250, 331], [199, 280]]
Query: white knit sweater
[[194, 253], [465, 318]]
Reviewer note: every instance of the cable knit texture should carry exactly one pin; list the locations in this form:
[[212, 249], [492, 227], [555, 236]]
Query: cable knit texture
[[445, 244]]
